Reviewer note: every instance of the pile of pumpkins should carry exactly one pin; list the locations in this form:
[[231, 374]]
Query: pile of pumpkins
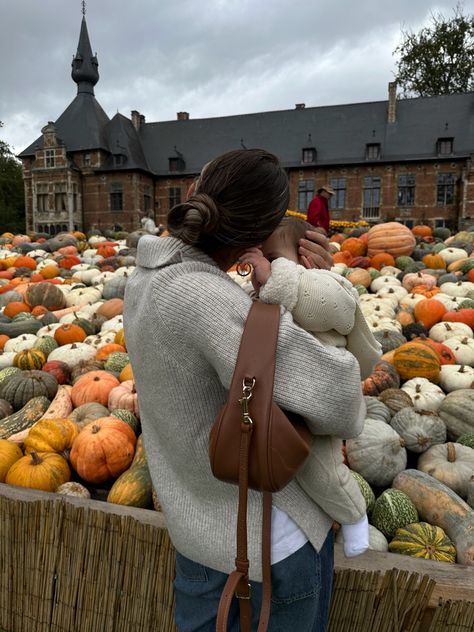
[[69, 415]]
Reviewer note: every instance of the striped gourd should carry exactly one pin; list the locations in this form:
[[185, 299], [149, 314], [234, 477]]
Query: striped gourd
[[466, 439], [366, 490], [7, 371], [421, 539], [29, 359], [392, 510], [116, 361], [416, 359], [46, 344], [128, 417]]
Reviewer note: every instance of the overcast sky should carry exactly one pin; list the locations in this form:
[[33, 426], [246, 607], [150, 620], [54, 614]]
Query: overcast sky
[[207, 57]]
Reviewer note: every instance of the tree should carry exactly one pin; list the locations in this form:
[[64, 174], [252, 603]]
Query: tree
[[12, 196], [439, 59]]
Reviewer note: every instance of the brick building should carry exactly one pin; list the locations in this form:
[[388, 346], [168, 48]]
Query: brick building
[[410, 160]]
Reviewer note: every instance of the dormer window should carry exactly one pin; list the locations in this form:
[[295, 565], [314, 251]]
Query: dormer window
[[119, 160], [444, 146], [309, 155], [176, 163], [372, 151], [49, 158]]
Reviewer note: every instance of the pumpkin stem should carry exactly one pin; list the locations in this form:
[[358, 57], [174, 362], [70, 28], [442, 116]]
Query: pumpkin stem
[[95, 429], [451, 453], [461, 370], [36, 459], [418, 388], [402, 442]]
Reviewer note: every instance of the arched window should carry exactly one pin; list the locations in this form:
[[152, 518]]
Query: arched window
[[40, 228], [64, 228]]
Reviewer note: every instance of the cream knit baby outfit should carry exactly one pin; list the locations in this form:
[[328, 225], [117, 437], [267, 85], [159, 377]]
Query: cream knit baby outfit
[[327, 305]]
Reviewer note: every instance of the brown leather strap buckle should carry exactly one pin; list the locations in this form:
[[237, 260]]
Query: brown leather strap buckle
[[242, 596]]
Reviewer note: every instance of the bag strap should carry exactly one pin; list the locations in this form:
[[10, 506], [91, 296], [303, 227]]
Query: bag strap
[[256, 357]]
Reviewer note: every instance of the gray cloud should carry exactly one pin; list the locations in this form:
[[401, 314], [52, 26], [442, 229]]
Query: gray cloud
[[211, 58]]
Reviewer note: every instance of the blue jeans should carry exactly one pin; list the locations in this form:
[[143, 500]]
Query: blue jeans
[[301, 593]]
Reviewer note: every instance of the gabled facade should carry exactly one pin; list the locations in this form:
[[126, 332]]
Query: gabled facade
[[408, 160]]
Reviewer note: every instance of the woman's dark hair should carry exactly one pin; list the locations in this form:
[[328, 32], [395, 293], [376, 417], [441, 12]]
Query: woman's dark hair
[[239, 200]]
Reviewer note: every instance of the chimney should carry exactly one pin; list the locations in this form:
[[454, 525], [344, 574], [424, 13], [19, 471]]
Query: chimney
[[300, 106], [137, 119], [182, 116], [142, 119], [392, 102]]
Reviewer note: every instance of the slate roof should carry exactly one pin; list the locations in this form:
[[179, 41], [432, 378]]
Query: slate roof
[[339, 133], [123, 140]]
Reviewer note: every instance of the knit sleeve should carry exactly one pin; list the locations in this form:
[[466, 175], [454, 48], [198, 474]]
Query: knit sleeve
[[325, 301], [209, 313], [282, 286]]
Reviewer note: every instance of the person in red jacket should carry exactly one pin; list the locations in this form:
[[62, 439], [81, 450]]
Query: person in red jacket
[[318, 210]]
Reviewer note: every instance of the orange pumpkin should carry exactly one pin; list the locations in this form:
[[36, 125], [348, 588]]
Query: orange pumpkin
[[50, 272], [338, 238], [93, 386], [470, 275], [126, 373], [104, 352], [445, 354], [69, 333], [68, 261], [434, 262], [427, 292], [16, 307], [3, 340], [422, 230], [103, 449], [405, 317], [39, 310], [464, 315], [112, 307], [355, 246], [416, 359], [120, 338], [6, 274], [67, 250], [343, 256], [392, 238], [429, 311], [25, 262], [382, 259], [106, 251]]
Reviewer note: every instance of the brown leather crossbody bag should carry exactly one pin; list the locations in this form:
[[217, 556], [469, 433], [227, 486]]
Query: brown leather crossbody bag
[[254, 444]]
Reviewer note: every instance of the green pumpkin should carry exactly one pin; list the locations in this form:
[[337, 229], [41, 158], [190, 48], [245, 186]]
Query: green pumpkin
[[468, 303], [116, 361], [46, 344], [89, 328], [466, 439], [366, 491], [361, 290], [22, 316], [29, 359], [9, 370], [423, 540], [403, 262], [128, 417], [441, 232], [392, 510]]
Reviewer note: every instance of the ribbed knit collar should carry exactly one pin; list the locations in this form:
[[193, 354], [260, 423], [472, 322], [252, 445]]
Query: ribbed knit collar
[[158, 252]]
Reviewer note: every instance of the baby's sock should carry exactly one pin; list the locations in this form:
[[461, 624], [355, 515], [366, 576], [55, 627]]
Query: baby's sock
[[356, 537]]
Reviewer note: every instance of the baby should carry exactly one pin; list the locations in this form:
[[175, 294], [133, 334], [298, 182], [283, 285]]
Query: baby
[[326, 305]]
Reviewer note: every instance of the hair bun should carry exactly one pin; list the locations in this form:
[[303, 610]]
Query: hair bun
[[194, 218]]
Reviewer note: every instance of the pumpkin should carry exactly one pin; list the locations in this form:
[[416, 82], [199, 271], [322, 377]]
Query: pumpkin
[[455, 377], [429, 312], [366, 491], [47, 295], [103, 449], [69, 333], [424, 395], [10, 453], [134, 487], [438, 504], [464, 315], [419, 430], [384, 376], [445, 354], [21, 387], [377, 409], [21, 343], [393, 509], [51, 435], [414, 359], [120, 338], [76, 490], [412, 280], [116, 362], [124, 396], [6, 408], [450, 463], [443, 331], [45, 471], [381, 259], [423, 540], [355, 246], [112, 307], [45, 344], [377, 454], [456, 412], [395, 399], [115, 287], [73, 354], [94, 386], [422, 230], [29, 359], [423, 290], [405, 316], [104, 351], [450, 255], [14, 308], [59, 370], [126, 373], [84, 414], [434, 262], [391, 237], [463, 350], [358, 276]]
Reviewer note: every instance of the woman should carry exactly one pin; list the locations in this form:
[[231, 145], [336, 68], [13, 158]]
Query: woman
[[184, 318]]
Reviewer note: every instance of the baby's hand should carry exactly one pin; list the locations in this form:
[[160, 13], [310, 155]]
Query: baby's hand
[[262, 268]]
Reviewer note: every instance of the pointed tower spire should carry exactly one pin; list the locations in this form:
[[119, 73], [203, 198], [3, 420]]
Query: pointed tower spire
[[84, 64]]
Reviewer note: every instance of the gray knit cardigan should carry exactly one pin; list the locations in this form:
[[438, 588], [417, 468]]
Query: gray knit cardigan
[[183, 321]]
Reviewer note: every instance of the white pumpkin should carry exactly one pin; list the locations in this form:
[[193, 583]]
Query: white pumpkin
[[454, 377], [48, 330], [65, 288], [6, 358], [45, 263], [394, 292], [97, 341], [124, 271], [460, 289], [334, 247], [87, 311], [384, 281], [339, 268], [376, 323], [450, 255], [73, 353], [413, 279], [21, 343], [389, 271], [114, 324], [450, 463], [96, 240], [102, 278], [444, 330], [384, 310], [83, 296], [85, 273], [377, 453], [450, 302], [419, 429], [410, 300], [424, 394], [463, 349]]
